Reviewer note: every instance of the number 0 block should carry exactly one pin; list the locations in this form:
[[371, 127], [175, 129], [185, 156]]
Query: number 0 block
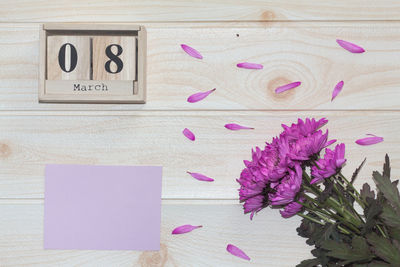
[[114, 58], [68, 58]]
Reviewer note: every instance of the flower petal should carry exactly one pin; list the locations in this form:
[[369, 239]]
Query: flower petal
[[183, 229], [234, 250], [337, 89], [286, 87], [248, 65], [191, 51], [201, 177], [199, 96], [235, 127], [369, 140], [252, 215], [330, 142], [186, 132], [353, 48]]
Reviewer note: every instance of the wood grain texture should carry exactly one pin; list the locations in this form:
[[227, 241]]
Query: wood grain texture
[[31, 140], [21, 239], [289, 52], [208, 10], [225, 32]]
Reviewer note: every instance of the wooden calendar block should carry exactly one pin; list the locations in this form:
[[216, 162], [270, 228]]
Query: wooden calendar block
[[92, 63], [114, 58], [68, 57]]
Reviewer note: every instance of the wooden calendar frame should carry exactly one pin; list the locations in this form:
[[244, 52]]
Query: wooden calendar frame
[[59, 91]]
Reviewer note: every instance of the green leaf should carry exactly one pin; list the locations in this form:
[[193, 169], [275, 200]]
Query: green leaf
[[320, 254], [366, 192], [379, 264], [371, 212], [308, 263], [307, 230], [390, 216], [338, 250], [394, 233], [357, 252], [384, 249], [386, 167], [355, 173], [316, 233], [326, 233], [389, 190], [360, 245], [328, 189]]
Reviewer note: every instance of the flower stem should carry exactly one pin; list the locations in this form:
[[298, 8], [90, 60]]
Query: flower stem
[[344, 212], [320, 209], [381, 231], [335, 205], [310, 218], [344, 230], [356, 196], [347, 202], [358, 199]]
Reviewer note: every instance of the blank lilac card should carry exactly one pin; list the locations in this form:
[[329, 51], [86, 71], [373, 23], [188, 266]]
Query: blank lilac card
[[102, 207]]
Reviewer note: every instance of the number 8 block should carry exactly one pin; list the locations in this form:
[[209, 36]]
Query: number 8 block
[[114, 58], [68, 58]]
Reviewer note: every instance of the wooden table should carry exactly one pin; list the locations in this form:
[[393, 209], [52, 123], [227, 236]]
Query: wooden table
[[294, 40]]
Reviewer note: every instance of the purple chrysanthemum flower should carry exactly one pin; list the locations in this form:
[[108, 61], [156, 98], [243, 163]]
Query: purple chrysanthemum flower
[[274, 175], [252, 191], [329, 165], [274, 160], [286, 191], [254, 204], [251, 185], [303, 128], [292, 208], [306, 147]]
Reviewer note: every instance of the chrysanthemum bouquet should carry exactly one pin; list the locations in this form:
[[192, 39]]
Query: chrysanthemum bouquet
[[347, 227]]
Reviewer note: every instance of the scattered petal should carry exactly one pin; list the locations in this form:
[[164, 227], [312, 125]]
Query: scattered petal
[[337, 89], [186, 132], [235, 127], [248, 65], [234, 250], [369, 140], [201, 177], [199, 96], [286, 87], [353, 48], [191, 51], [183, 229], [252, 215]]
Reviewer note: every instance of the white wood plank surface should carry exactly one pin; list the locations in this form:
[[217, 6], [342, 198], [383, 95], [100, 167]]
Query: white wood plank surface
[[207, 10], [29, 141], [294, 40], [289, 52], [268, 240]]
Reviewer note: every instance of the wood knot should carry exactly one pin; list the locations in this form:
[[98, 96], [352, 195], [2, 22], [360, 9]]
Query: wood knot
[[275, 83], [5, 151], [268, 15], [154, 258]]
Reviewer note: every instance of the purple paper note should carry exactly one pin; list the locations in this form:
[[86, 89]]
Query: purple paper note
[[102, 207]]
